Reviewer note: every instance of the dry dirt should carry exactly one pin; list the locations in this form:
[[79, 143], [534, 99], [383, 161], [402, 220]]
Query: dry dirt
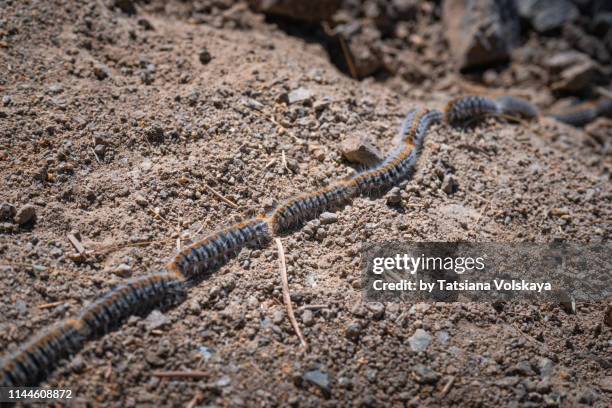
[[172, 128]]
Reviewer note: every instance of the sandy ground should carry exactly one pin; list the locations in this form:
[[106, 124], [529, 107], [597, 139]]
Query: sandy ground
[[172, 129]]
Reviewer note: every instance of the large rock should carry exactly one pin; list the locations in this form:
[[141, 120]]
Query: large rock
[[480, 32], [547, 15], [311, 11]]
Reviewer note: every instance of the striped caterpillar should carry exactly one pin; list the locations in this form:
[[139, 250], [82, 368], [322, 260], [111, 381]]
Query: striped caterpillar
[[305, 207], [401, 161], [585, 115], [470, 107], [216, 249], [32, 362]]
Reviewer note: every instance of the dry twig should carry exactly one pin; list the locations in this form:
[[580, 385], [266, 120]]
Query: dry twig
[[221, 197], [283, 271]]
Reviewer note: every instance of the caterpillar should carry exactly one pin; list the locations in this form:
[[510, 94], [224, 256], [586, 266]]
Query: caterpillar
[[470, 107], [214, 250], [585, 115], [136, 297], [406, 126], [516, 107], [400, 163], [305, 207], [32, 362]]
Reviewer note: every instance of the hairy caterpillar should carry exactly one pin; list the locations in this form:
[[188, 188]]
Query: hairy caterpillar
[[33, 361], [584, 115], [136, 297], [400, 163], [308, 206], [214, 250], [511, 106], [38, 357], [469, 107]]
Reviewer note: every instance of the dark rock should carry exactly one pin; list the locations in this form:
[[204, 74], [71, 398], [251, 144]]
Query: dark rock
[[404, 9], [602, 23], [578, 77], [547, 15], [205, 56], [449, 184], [155, 133], [100, 151], [353, 330], [364, 48], [7, 212], [25, 214], [123, 270], [394, 196], [310, 11], [145, 23], [424, 374], [586, 43], [359, 149], [318, 378], [127, 6], [480, 32], [588, 396]]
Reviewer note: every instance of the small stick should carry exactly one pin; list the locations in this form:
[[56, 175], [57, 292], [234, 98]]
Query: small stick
[[76, 244], [283, 271], [95, 155], [270, 163], [181, 374], [220, 197], [115, 247], [284, 161], [50, 305], [313, 307], [158, 215], [448, 386], [195, 400]]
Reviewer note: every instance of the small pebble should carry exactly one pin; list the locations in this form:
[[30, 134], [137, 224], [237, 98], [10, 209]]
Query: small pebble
[[25, 214], [394, 196], [424, 374], [328, 218], [123, 270], [7, 212], [307, 318], [420, 340], [205, 56]]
